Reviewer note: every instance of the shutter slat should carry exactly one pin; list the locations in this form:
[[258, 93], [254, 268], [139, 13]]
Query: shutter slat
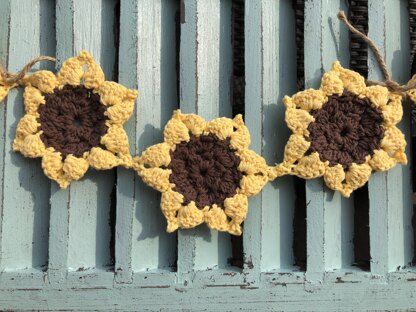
[[88, 201], [329, 215], [201, 82], [25, 192], [153, 248], [390, 193]]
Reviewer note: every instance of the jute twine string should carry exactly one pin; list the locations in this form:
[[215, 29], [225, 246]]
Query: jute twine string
[[15, 78], [390, 84]]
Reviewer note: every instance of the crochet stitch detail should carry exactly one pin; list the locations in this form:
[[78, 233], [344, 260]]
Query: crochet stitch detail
[[346, 129], [234, 172], [205, 170], [366, 118], [74, 120]]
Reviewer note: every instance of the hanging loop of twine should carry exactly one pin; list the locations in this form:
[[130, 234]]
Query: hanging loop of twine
[[15, 78], [390, 84]]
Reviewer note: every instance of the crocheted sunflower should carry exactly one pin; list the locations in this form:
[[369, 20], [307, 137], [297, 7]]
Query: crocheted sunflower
[[204, 171], [75, 120], [342, 131]]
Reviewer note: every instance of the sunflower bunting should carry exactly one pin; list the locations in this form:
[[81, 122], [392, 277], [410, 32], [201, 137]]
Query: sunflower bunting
[[343, 131], [204, 171], [75, 120]]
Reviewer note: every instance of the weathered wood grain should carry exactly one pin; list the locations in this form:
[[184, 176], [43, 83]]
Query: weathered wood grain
[[329, 215], [201, 80], [154, 248], [80, 231], [342, 295], [25, 189], [126, 179], [270, 74], [390, 193]]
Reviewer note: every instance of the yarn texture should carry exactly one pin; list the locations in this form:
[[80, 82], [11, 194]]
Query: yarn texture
[[204, 171], [74, 120], [342, 131]]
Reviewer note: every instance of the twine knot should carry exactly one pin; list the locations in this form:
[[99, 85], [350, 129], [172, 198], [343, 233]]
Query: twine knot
[[389, 83], [9, 80]]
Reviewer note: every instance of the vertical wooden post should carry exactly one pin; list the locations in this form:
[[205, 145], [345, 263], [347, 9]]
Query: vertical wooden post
[[202, 78], [25, 190], [329, 215], [390, 192]]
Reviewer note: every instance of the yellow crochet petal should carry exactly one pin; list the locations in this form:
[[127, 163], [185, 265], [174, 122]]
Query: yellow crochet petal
[[156, 178], [295, 148], [194, 123], [157, 155], [116, 140], [32, 98], [393, 141], [356, 176], [31, 146], [120, 113], [71, 72], [351, 80], [298, 120], [170, 203], [378, 95], [331, 83], [236, 208], [176, 131], [240, 138], [102, 160], [93, 76], [393, 111], [251, 163], [52, 166], [112, 93], [4, 89], [75, 167], [381, 161], [310, 99], [216, 219], [221, 127], [43, 80], [310, 167], [334, 176], [27, 125], [190, 216], [255, 172]]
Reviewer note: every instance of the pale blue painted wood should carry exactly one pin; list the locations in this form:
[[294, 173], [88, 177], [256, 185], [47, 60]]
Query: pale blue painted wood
[[347, 296], [201, 83], [270, 74], [390, 193], [253, 113], [153, 247], [4, 40], [25, 208], [329, 215], [126, 179], [89, 200]]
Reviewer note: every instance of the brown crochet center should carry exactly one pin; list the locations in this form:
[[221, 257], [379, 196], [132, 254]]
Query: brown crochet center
[[346, 130], [72, 120], [205, 170]]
